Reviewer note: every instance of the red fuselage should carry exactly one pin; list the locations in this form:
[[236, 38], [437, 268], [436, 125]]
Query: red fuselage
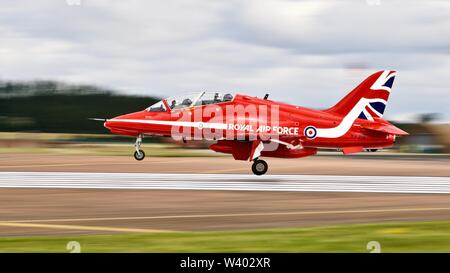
[[249, 127], [291, 125]]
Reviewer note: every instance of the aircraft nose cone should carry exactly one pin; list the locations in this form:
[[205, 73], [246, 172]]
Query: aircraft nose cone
[[112, 123], [107, 124]]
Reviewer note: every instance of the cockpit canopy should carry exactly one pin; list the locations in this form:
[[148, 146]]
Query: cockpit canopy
[[189, 100]]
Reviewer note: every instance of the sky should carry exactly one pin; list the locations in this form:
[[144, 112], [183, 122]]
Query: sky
[[309, 53]]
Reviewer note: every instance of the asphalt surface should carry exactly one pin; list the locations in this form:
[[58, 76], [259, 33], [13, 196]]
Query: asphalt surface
[[294, 183], [375, 165], [73, 194]]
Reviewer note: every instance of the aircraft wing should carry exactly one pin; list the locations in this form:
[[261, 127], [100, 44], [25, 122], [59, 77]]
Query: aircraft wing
[[385, 127]]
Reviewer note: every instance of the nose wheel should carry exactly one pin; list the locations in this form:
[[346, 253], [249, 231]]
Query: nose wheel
[[259, 167], [139, 154]]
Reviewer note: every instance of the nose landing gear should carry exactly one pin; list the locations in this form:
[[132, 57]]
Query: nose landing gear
[[259, 167], [139, 154]]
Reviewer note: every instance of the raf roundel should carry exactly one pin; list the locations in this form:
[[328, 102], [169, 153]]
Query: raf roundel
[[310, 132]]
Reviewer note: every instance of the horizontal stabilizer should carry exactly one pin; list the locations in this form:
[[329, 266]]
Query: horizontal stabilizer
[[385, 128]]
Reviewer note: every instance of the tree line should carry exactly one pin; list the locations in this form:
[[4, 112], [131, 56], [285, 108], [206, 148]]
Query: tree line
[[47, 106]]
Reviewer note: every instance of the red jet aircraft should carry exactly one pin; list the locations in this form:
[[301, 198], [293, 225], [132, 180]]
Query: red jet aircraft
[[250, 127]]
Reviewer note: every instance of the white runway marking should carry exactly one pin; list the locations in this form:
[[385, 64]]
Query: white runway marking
[[295, 183]]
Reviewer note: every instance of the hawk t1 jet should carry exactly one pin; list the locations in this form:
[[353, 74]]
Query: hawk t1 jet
[[251, 128]]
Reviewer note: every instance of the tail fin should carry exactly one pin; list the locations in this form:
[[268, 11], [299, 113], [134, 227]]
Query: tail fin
[[374, 91]]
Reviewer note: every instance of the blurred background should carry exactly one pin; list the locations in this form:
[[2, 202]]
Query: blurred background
[[64, 61]]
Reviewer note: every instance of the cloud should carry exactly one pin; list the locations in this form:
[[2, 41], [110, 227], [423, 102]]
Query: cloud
[[306, 52], [347, 26]]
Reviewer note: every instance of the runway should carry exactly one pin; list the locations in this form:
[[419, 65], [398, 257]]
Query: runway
[[226, 182]]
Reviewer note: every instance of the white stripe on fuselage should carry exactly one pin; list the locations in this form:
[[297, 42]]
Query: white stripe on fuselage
[[335, 132], [199, 125], [347, 121]]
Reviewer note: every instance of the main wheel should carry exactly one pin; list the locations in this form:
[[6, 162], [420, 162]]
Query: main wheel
[[259, 167], [139, 156]]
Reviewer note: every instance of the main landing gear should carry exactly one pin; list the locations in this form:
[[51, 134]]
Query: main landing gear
[[259, 166], [139, 154]]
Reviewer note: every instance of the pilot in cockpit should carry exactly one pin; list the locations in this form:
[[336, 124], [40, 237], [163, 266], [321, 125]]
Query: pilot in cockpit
[[172, 105], [227, 97], [186, 102]]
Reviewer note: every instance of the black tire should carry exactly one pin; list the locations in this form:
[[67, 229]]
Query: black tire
[[373, 150], [259, 167], [139, 156]]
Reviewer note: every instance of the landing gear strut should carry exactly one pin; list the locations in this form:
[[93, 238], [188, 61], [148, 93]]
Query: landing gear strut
[[259, 167], [138, 154]]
